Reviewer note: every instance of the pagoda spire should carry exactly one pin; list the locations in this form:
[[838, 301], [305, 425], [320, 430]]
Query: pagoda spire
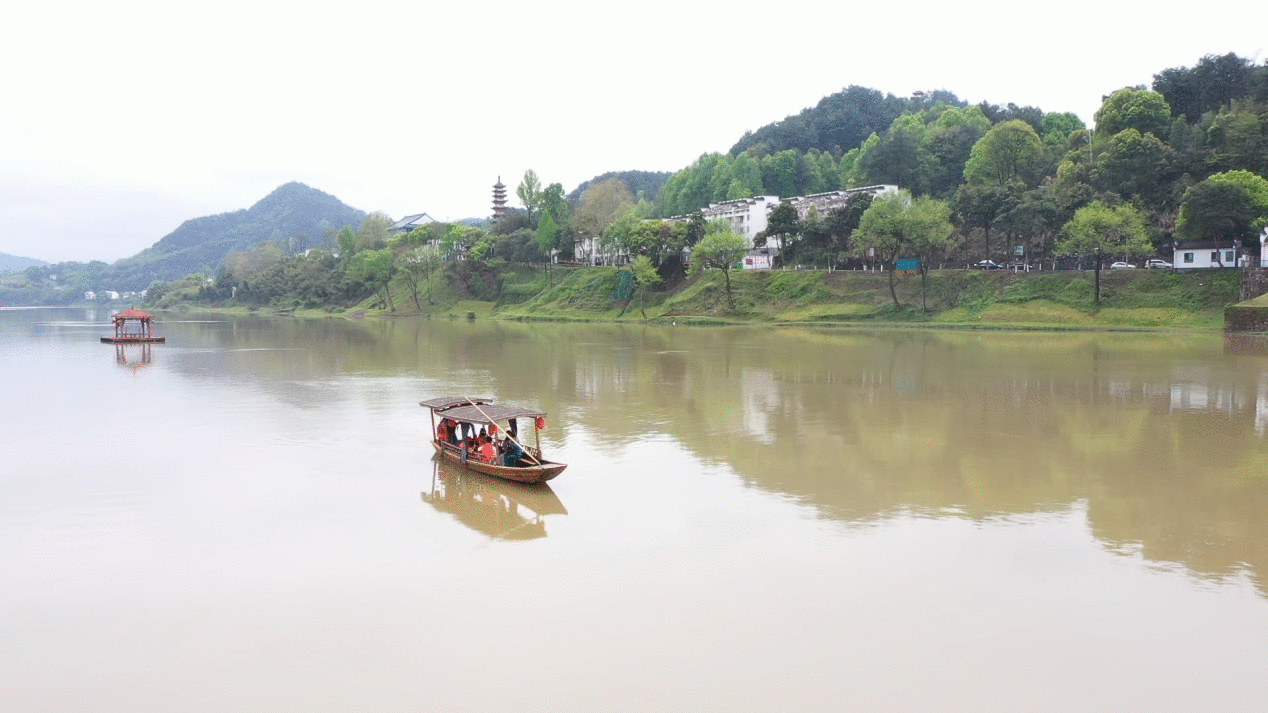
[[499, 200]]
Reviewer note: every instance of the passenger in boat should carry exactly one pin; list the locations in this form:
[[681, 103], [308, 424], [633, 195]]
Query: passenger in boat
[[487, 450], [511, 452], [452, 431]]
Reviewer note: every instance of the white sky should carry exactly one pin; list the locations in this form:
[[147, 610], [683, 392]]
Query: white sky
[[121, 120]]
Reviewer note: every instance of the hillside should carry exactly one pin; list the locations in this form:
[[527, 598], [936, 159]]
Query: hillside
[[839, 121], [13, 263], [294, 216], [644, 184]]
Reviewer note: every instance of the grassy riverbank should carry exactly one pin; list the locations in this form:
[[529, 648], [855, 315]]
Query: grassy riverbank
[[1130, 299]]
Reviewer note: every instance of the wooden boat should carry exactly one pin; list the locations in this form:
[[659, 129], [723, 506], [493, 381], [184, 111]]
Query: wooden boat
[[472, 414]]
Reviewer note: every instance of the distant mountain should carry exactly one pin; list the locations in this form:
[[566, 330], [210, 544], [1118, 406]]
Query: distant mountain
[[13, 263], [648, 183], [294, 217]]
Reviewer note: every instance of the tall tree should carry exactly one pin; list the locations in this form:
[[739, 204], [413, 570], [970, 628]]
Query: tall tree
[[721, 247], [896, 224], [782, 225], [1211, 209], [529, 192], [1133, 108], [1100, 231], [1010, 151], [880, 232], [372, 235], [645, 276], [601, 205]]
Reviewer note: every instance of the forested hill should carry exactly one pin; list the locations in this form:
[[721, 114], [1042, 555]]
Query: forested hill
[[842, 121], [642, 184], [295, 217]]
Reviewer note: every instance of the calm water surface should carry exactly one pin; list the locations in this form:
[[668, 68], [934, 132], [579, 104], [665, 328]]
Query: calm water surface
[[248, 518]]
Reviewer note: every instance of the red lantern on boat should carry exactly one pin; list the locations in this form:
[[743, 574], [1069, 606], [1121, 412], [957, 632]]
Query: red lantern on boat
[[493, 429], [541, 422]]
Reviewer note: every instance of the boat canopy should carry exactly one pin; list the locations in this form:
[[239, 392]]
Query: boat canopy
[[477, 410], [441, 403]]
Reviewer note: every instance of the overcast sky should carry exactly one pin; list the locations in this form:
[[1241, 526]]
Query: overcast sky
[[121, 120]]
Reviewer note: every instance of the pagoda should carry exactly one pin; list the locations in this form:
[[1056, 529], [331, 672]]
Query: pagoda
[[139, 333], [499, 200]]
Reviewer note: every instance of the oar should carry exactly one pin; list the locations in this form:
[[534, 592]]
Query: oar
[[508, 435]]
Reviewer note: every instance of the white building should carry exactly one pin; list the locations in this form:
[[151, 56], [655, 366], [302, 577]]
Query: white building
[[1205, 255], [747, 216], [825, 203]]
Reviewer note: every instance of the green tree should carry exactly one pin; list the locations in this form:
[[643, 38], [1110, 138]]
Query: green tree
[[1010, 151], [1133, 108], [1102, 231], [779, 174], [782, 224], [721, 247], [927, 229], [645, 276], [1256, 188], [372, 235], [374, 270], [1138, 167], [601, 205], [421, 265], [529, 192], [347, 244], [897, 224], [880, 232], [1230, 206]]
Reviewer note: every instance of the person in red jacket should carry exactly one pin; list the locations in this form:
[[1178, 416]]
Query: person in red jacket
[[487, 451]]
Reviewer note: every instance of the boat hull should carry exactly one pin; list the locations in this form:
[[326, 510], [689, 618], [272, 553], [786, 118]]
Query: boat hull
[[520, 474]]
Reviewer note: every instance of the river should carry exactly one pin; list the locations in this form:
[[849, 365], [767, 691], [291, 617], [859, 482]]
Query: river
[[248, 518]]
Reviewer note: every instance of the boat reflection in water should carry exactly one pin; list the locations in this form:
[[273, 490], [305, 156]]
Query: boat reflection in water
[[501, 509]]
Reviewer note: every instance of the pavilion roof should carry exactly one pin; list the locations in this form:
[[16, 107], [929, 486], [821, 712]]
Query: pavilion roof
[[133, 313]]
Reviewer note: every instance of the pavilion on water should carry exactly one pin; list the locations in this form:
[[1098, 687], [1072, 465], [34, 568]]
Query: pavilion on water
[[142, 330]]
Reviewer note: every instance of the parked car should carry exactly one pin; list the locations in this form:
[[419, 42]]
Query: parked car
[[1122, 266], [989, 265], [1157, 264]]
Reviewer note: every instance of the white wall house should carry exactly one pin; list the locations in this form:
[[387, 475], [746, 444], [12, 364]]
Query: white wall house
[[1205, 255], [747, 216]]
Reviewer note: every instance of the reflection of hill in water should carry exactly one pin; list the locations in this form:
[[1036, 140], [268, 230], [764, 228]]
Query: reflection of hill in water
[[1164, 436], [498, 508]]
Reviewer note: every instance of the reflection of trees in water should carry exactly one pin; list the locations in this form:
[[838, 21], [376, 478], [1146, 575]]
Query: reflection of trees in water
[[1157, 433], [1162, 435]]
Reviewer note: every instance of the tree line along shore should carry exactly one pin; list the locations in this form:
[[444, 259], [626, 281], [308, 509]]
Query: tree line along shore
[[965, 298]]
